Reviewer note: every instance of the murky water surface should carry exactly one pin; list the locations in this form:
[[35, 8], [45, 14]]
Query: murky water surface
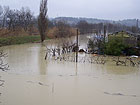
[[34, 81]]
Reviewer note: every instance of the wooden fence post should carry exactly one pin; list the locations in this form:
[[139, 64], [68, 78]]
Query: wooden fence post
[[77, 47]]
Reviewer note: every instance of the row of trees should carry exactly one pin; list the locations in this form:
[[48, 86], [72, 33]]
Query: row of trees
[[24, 19], [13, 19], [86, 27]]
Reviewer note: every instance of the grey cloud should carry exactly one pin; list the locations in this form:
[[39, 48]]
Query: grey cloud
[[107, 9]]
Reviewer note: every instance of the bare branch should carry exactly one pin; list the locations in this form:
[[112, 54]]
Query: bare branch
[[3, 66]]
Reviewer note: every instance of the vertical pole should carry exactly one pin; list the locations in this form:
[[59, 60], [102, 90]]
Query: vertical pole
[[77, 47], [104, 32], [137, 25]]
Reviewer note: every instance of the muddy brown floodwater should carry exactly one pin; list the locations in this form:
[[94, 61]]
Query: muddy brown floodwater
[[34, 81]]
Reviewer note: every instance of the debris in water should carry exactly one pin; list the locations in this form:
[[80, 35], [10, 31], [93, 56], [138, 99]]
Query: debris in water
[[1, 84], [106, 93], [42, 84], [38, 83], [119, 94]]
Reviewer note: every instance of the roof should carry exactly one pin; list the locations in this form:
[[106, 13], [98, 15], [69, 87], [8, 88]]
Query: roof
[[127, 32]]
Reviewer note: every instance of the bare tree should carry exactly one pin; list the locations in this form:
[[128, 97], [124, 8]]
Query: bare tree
[[25, 18], [42, 19], [3, 66], [14, 19], [1, 12], [4, 16]]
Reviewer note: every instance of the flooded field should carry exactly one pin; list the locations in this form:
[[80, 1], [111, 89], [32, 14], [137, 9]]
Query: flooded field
[[32, 80]]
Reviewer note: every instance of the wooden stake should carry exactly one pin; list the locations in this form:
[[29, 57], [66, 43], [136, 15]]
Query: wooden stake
[[77, 47]]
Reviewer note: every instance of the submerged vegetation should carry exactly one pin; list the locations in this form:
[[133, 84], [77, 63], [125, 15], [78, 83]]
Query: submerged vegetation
[[3, 67], [116, 45]]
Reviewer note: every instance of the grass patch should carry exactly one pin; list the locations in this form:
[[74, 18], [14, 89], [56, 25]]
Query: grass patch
[[11, 40]]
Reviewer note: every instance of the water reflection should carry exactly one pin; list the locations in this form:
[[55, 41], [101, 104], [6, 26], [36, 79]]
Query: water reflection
[[76, 70], [42, 64]]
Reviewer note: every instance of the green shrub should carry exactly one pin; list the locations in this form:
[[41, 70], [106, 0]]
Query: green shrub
[[115, 46]]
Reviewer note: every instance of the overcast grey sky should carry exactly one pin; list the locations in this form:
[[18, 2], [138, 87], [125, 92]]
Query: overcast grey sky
[[102, 9]]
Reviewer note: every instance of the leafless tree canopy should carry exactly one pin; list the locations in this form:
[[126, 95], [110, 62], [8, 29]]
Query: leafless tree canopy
[[14, 19], [63, 30], [42, 19]]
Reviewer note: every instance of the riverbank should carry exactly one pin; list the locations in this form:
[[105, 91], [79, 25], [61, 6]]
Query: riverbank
[[13, 40]]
